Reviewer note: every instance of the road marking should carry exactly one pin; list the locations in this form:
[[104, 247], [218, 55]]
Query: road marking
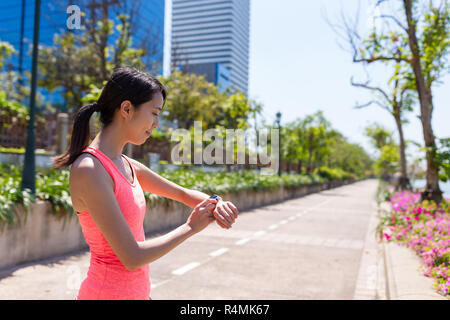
[[242, 241], [317, 241], [283, 221], [331, 242], [153, 286], [259, 233], [273, 227], [291, 218], [185, 268], [218, 252]]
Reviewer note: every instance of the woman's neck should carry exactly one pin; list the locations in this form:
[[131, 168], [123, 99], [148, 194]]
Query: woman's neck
[[109, 141]]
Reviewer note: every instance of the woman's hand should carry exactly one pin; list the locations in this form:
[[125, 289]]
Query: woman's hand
[[225, 213], [202, 215]]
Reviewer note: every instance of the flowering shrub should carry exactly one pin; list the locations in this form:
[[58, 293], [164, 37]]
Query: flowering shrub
[[425, 228]]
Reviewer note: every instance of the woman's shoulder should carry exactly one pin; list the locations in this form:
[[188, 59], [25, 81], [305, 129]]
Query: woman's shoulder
[[87, 168], [85, 162]]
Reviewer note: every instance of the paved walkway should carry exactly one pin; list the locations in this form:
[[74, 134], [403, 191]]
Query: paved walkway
[[315, 247]]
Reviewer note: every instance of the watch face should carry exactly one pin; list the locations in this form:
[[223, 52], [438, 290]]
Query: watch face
[[213, 196]]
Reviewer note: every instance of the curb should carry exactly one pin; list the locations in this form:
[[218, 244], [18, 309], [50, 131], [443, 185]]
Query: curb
[[404, 279], [370, 283]]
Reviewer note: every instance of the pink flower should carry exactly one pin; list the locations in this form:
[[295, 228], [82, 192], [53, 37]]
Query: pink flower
[[387, 236]]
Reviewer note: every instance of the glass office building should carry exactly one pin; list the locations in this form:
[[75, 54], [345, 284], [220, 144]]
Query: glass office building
[[17, 24], [211, 37]]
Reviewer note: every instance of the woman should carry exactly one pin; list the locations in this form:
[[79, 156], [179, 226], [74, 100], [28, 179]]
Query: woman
[[106, 188]]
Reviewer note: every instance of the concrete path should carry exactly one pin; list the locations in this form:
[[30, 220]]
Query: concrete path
[[319, 246]]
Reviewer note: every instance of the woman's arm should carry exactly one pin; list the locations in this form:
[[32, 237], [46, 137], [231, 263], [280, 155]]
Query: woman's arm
[[90, 182], [152, 182], [226, 213]]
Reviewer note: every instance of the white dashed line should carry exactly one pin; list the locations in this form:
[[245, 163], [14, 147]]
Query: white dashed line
[[185, 268], [259, 233], [283, 221], [273, 227], [160, 283], [291, 218], [218, 252], [242, 241]]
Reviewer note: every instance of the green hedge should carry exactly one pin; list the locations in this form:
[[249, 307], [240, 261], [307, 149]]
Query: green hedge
[[334, 174], [53, 186]]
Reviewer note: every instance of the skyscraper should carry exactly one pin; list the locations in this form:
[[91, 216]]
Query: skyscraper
[[17, 21], [211, 37]]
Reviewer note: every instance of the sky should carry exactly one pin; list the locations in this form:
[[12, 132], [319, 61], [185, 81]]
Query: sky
[[298, 67]]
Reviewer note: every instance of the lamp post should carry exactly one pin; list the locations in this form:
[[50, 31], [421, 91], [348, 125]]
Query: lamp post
[[28, 175], [278, 120]]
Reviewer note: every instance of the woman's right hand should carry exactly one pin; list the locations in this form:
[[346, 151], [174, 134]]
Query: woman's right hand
[[202, 215]]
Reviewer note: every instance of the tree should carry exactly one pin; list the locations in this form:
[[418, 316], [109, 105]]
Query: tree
[[315, 128], [349, 157], [428, 60], [381, 139], [443, 159], [10, 79], [292, 148], [397, 100], [420, 39], [90, 57], [191, 98]]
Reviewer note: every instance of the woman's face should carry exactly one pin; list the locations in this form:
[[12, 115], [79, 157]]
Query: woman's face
[[144, 119]]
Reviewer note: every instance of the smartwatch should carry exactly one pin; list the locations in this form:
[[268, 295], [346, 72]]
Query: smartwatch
[[215, 196]]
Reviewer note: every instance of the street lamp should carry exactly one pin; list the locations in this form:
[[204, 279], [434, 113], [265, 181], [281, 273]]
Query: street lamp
[[278, 120], [28, 175]]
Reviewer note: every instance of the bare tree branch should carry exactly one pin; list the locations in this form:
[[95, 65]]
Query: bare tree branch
[[395, 20], [366, 86], [360, 106]]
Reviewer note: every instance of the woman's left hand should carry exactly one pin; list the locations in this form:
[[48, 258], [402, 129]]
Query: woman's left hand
[[225, 213]]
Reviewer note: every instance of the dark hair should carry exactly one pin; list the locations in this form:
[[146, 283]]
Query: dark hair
[[125, 83]]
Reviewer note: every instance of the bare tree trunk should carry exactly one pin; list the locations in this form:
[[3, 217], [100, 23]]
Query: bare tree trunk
[[403, 182], [432, 190], [310, 152], [308, 168]]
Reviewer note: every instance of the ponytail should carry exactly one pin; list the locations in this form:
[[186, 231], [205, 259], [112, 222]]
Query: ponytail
[[125, 83], [79, 137]]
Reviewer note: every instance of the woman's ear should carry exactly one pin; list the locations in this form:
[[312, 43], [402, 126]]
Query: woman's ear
[[126, 108]]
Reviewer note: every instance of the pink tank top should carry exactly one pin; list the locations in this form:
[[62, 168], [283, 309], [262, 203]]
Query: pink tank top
[[107, 277]]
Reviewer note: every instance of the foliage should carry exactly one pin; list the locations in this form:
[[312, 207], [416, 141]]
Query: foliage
[[384, 191], [53, 186], [88, 58], [418, 41], [388, 162], [312, 142], [425, 228], [389, 159], [349, 157], [21, 150], [192, 98], [334, 174], [11, 195], [443, 159], [6, 51], [12, 108]]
